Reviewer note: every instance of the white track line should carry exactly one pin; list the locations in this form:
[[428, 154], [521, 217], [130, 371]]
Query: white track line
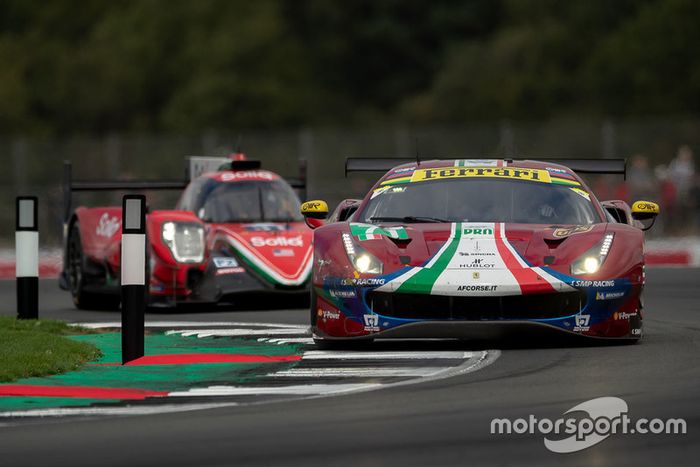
[[428, 355], [478, 361], [129, 410], [292, 340], [352, 372], [180, 324], [305, 390], [473, 361], [238, 332]]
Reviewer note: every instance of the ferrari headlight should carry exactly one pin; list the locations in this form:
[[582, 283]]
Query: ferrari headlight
[[185, 240], [591, 261], [362, 261]]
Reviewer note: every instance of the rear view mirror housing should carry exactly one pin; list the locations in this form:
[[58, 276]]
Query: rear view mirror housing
[[645, 212], [314, 212]]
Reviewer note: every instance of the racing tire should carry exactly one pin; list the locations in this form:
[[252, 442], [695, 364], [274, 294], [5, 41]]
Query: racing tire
[[312, 307], [77, 278]]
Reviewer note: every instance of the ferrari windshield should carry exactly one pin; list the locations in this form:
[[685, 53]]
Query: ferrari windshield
[[245, 201], [480, 200]]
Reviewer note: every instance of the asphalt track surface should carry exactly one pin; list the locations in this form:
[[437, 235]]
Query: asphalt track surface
[[444, 422]]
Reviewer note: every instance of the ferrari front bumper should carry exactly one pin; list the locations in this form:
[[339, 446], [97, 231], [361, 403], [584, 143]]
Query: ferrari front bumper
[[473, 330]]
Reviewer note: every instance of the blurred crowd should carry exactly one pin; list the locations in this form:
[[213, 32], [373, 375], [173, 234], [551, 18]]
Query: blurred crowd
[[675, 186]]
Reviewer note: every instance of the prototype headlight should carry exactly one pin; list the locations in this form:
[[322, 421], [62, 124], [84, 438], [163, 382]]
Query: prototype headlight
[[185, 240], [591, 261], [362, 261]]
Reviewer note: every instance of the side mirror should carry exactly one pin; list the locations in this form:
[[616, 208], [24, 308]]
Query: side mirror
[[645, 211], [314, 212]]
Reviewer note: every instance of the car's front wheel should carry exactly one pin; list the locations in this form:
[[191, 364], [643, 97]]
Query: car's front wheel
[[78, 279]]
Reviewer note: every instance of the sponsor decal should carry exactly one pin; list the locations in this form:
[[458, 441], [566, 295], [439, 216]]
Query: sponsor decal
[[328, 314], [247, 174], [108, 226], [369, 282], [622, 315], [558, 171], [475, 275], [311, 206], [636, 332], [264, 228], [404, 170], [534, 175], [335, 282], [283, 252], [477, 288], [579, 283], [339, 293], [477, 230], [582, 323], [609, 295], [226, 262], [645, 206], [316, 209], [373, 232], [284, 272], [583, 193], [371, 323], [225, 271], [477, 263], [258, 242], [476, 253], [563, 232]]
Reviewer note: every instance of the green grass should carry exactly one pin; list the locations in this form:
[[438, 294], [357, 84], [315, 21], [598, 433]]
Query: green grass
[[39, 348]]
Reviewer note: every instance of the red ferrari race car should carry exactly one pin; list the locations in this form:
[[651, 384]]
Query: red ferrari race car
[[236, 230], [478, 249]]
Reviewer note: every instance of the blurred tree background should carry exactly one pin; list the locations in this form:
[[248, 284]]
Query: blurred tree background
[[95, 66]]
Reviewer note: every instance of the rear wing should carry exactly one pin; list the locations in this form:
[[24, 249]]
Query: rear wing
[[70, 185], [196, 166], [589, 166]]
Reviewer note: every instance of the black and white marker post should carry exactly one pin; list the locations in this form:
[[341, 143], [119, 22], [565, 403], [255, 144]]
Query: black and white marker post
[[27, 257], [133, 277]]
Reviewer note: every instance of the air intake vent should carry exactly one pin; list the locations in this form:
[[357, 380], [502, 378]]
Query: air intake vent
[[421, 306]]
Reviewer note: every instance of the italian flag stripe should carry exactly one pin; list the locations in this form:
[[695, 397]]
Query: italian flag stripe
[[423, 280], [562, 181], [257, 263], [528, 279]]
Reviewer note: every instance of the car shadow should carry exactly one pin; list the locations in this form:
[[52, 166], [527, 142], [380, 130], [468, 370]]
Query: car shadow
[[241, 302], [523, 343]]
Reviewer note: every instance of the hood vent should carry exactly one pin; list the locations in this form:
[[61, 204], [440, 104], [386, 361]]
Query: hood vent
[[401, 242], [552, 243]]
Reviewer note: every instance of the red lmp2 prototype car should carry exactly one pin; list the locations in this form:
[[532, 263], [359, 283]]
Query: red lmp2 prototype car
[[478, 249], [236, 230]]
